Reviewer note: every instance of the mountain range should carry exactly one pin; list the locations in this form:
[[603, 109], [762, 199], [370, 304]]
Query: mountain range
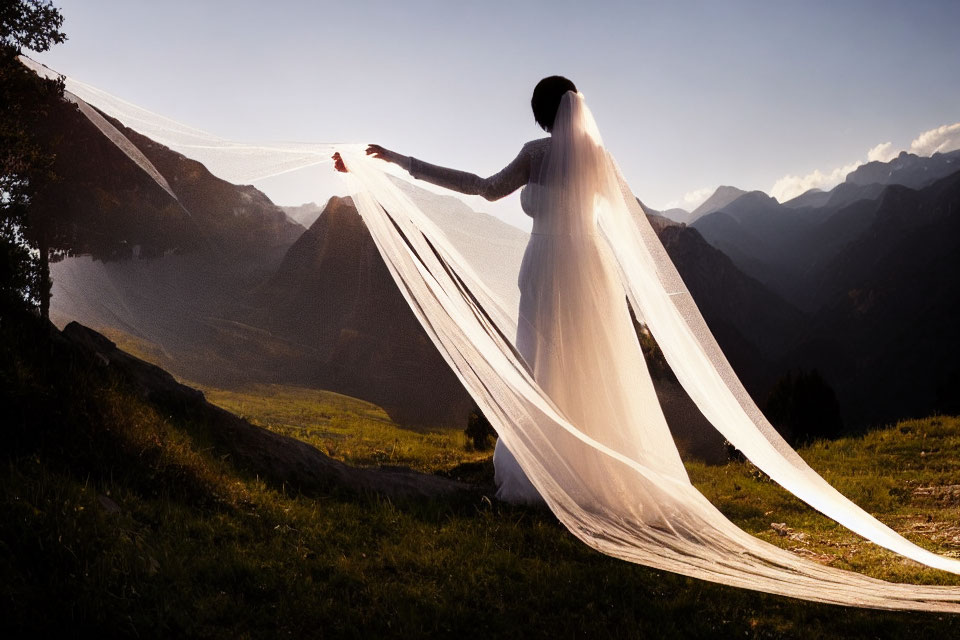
[[250, 295], [887, 304], [874, 264], [316, 306], [787, 245]]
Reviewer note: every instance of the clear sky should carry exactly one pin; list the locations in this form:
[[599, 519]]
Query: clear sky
[[688, 95]]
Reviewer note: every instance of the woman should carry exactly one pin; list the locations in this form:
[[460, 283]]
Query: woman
[[565, 343]]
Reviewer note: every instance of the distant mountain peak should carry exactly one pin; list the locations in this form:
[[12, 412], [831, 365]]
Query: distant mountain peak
[[723, 196], [727, 189], [907, 169], [757, 196], [814, 197], [304, 214]]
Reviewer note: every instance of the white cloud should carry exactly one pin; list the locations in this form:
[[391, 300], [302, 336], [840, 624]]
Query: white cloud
[[883, 152], [690, 200], [942, 139], [789, 187], [693, 199]]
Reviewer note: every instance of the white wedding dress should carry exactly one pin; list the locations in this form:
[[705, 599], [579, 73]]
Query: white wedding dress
[[562, 379], [574, 324]]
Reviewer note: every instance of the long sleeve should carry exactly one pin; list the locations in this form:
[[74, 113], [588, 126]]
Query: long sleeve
[[506, 181]]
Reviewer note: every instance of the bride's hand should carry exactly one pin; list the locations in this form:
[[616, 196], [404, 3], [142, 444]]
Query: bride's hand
[[381, 153], [378, 152]]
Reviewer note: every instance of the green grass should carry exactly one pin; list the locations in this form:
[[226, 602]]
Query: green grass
[[902, 474], [346, 428], [887, 472], [116, 518]]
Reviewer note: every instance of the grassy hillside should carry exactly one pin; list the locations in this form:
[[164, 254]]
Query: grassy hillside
[[116, 516], [346, 428]]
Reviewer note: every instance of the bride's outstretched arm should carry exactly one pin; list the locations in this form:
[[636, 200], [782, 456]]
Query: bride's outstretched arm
[[506, 181]]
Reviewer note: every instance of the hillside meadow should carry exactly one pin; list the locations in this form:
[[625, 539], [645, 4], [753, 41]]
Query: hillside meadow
[[119, 519]]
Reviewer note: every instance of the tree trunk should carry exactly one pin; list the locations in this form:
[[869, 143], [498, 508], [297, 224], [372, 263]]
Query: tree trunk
[[46, 284]]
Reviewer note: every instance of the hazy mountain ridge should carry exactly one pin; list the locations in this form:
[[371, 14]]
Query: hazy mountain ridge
[[810, 198], [333, 294], [785, 245], [197, 256], [323, 310], [105, 201], [726, 296], [890, 301], [877, 265], [336, 262], [305, 214], [720, 198], [237, 218], [906, 169], [114, 209], [677, 214]]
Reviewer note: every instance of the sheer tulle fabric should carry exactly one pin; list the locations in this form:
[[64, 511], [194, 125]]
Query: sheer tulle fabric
[[563, 381]]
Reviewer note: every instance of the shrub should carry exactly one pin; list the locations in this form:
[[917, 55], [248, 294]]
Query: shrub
[[479, 430], [803, 407]]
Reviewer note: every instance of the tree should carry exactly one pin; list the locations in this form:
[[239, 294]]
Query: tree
[[25, 159], [803, 407], [479, 430]]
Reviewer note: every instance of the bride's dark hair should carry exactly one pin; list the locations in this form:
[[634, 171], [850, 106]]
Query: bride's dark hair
[[546, 99]]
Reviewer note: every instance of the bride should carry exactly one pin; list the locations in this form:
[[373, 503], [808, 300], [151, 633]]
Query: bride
[[574, 323]]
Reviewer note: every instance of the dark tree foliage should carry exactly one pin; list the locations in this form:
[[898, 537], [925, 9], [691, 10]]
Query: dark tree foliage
[[656, 362], [30, 24], [803, 408], [25, 159], [479, 430], [948, 393]]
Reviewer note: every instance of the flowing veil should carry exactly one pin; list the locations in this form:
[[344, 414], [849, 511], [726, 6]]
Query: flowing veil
[[616, 487]]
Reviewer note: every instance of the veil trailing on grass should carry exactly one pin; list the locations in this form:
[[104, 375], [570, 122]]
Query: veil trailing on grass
[[615, 481]]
